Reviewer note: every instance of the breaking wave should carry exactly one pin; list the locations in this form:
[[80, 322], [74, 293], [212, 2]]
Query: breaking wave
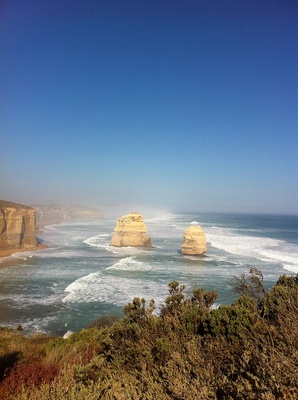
[[117, 290], [262, 248]]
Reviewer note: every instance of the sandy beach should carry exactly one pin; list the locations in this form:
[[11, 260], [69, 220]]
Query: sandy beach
[[7, 261]]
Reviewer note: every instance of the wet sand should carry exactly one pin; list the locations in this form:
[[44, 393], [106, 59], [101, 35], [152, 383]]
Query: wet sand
[[7, 261]]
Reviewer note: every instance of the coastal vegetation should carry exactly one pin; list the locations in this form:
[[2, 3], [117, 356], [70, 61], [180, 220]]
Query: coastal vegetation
[[187, 350]]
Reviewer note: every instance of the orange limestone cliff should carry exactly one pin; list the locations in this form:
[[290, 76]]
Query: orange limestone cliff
[[194, 241], [131, 231], [17, 226]]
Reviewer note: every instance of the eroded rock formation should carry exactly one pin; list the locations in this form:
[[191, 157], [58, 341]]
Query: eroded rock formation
[[17, 226], [194, 241], [131, 231]]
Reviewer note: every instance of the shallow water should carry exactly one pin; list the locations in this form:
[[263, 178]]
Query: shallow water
[[80, 277]]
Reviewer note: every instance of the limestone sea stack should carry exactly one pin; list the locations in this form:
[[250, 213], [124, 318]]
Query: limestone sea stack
[[194, 241], [131, 231], [17, 226]]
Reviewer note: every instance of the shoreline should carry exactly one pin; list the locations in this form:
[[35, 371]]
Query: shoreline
[[6, 259]]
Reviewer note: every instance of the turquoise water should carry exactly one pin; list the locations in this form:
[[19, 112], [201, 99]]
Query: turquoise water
[[80, 277]]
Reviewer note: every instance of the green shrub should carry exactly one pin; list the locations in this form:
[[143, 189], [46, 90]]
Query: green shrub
[[248, 350], [104, 322]]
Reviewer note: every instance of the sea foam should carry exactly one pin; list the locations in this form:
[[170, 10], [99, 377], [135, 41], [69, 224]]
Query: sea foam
[[98, 287], [101, 240], [262, 248], [128, 264]]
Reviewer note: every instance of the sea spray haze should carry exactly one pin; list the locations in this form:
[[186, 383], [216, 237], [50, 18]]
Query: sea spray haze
[[80, 277]]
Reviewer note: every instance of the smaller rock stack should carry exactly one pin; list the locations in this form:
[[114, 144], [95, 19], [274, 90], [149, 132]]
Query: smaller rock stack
[[131, 231], [194, 241]]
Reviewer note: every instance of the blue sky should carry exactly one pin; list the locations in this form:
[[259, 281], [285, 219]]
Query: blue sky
[[186, 105]]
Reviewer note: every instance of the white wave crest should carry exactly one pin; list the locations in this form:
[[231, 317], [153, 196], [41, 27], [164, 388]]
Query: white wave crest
[[128, 264], [291, 268], [102, 240], [113, 289], [262, 248], [127, 251]]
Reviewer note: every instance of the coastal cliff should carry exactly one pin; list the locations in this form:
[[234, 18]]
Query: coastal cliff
[[194, 241], [55, 214], [131, 231], [17, 226]]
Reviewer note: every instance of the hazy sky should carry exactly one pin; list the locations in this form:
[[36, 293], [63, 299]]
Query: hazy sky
[[189, 105]]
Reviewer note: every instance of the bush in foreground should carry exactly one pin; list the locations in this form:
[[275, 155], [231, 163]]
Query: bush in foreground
[[248, 350]]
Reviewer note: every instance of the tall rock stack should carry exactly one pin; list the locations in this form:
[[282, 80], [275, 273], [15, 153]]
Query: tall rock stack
[[194, 241], [131, 231], [17, 226]]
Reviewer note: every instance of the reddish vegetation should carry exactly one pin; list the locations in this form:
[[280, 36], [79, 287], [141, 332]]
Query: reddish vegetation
[[27, 375]]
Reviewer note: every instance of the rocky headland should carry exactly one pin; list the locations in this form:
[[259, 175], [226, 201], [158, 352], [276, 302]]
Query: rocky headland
[[194, 241], [131, 231], [56, 214], [17, 228]]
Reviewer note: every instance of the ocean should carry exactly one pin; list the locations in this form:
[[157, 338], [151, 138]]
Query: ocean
[[80, 277]]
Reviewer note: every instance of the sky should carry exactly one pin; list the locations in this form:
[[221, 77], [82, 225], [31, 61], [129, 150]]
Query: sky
[[185, 105]]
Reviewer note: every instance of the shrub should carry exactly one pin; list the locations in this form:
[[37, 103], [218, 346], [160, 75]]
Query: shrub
[[248, 350], [249, 285], [104, 322], [26, 376]]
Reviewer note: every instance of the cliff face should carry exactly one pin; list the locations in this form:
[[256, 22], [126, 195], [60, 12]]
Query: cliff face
[[131, 231], [17, 226], [194, 241], [55, 214], [47, 215]]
